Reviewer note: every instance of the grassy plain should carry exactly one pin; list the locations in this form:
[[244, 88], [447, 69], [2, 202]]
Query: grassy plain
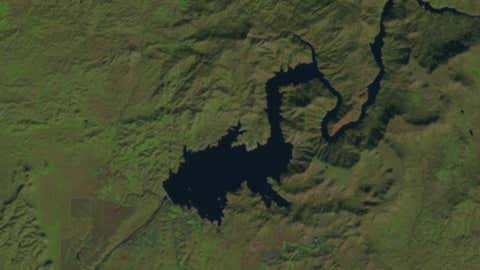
[[98, 99]]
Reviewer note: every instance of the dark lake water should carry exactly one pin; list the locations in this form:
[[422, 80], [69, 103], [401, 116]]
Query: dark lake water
[[205, 177]]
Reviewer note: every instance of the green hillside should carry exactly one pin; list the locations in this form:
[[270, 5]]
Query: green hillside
[[99, 100]]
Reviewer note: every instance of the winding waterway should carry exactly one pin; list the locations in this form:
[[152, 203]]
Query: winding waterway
[[204, 178], [373, 88], [427, 6]]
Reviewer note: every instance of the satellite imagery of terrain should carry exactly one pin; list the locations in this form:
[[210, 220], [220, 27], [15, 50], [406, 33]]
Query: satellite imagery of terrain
[[240, 134]]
